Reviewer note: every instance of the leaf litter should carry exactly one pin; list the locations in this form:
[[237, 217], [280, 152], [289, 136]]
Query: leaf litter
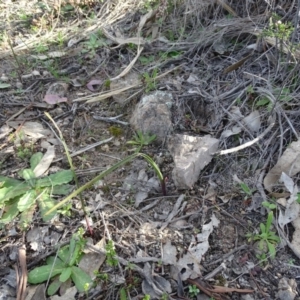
[[219, 89]]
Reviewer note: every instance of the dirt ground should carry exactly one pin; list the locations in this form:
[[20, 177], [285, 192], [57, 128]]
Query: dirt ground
[[221, 61]]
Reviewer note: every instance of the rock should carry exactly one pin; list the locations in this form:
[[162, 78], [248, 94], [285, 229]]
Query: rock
[[287, 289], [191, 154], [153, 115], [130, 79]]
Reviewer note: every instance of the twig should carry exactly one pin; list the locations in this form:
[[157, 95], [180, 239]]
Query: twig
[[111, 119], [248, 144], [22, 274], [87, 148]]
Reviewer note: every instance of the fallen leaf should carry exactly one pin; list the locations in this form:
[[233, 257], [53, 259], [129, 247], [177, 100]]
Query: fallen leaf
[[252, 121], [45, 162], [94, 85], [54, 99], [288, 163]]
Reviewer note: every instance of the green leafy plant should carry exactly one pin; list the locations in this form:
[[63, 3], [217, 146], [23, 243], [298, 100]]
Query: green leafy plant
[[267, 239], [278, 29], [146, 297], [150, 80], [111, 254], [246, 189], [145, 60], [269, 205], [123, 294], [283, 95], [93, 43], [193, 291], [141, 139], [63, 267], [22, 196]]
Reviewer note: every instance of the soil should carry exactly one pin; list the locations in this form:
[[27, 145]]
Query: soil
[[213, 62]]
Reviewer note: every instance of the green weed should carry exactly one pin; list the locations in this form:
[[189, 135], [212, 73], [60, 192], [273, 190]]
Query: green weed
[[193, 291], [93, 44], [64, 267], [246, 189], [22, 196], [278, 29], [141, 139], [267, 239], [111, 254], [150, 80]]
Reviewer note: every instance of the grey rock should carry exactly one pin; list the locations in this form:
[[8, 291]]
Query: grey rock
[[191, 154], [153, 115], [287, 289]]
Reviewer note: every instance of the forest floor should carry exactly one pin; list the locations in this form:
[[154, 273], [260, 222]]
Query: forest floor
[[233, 72]]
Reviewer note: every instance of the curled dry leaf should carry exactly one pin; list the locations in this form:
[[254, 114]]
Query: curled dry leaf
[[292, 209], [94, 85], [288, 163], [252, 121], [45, 162]]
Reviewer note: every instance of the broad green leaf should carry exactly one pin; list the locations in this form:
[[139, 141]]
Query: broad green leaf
[[64, 254], [74, 252], [28, 174], [262, 102], [58, 178], [269, 221], [15, 191], [123, 294], [65, 274], [35, 159], [45, 203], [272, 250], [4, 85], [245, 188], [80, 278], [262, 227], [55, 260], [27, 200], [9, 182], [27, 217], [11, 211], [43, 273], [72, 247], [3, 192], [61, 177], [53, 287], [64, 189]]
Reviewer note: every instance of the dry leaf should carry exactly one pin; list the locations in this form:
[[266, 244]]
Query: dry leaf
[[288, 163]]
